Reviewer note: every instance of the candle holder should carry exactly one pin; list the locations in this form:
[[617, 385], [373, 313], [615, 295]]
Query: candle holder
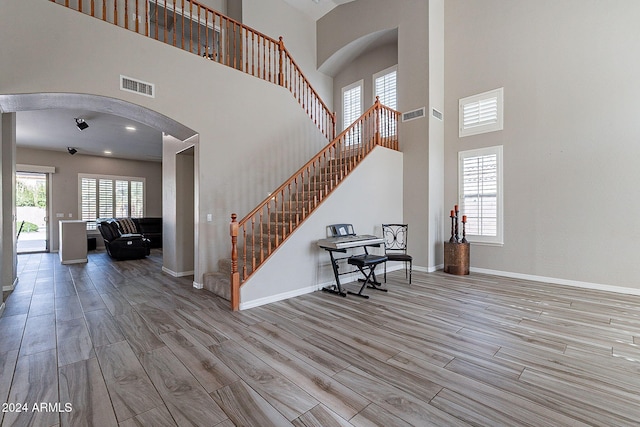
[[457, 238], [464, 230], [452, 239]]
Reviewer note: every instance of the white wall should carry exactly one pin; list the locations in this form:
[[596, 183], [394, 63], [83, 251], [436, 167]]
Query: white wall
[[276, 18], [570, 138], [247, 147], [370, 196], [348, 24], [363, 68]]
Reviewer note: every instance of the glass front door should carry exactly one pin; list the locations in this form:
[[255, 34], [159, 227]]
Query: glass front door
[[31, 212]]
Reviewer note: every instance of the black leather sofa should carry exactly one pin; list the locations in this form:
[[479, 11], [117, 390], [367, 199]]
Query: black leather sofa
[[121, 245], [130, 238], [151, 228]]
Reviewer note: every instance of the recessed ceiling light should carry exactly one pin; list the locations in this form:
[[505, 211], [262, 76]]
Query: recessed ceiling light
[[130, 128], [107, 152]]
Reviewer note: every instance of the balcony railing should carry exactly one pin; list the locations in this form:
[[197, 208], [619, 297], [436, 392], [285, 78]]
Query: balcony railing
[[196, 28]]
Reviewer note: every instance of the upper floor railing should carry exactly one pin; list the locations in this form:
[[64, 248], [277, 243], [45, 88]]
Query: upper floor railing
[[198, 29]]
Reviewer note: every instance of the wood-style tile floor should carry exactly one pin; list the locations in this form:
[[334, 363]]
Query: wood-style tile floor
[[119, 343]]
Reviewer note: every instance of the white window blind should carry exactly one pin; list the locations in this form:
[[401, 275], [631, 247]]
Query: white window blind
[[384, 87], [106, 198], [384, 84], [110, 196], [481, 113], [137, 199], [88, 199], [480, 193], [352, 110], [122, 198]]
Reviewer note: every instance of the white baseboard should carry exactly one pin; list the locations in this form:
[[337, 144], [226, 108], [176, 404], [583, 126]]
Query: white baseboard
[[279, 297], [1, 308], [177, 273], [10, 287], [558, 281], [75, 261], [347, 278], [198, 285], [428, 269]]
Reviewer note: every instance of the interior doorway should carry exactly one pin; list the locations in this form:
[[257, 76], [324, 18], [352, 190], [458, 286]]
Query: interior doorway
[[32, 221]]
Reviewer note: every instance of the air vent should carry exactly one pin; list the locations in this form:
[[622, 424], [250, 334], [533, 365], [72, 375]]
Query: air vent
[[412, 115], [137, 86], [437, 114]]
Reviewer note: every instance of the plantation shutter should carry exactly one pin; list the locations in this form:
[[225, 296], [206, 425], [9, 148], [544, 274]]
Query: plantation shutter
[[385, 89], [480, 187], [122, 199], [351, 105], [106, 198], [137, 199], [481, 113], [480, 193], [110, 196], [88, 199]]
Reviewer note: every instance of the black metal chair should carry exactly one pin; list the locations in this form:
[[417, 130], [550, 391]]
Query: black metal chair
[[395, 246]]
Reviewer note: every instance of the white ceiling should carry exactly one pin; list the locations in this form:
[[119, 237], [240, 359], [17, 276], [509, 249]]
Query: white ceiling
[[55, 129]]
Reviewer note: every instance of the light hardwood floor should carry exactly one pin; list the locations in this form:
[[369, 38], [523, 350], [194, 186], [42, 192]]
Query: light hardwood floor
[[119, 343]]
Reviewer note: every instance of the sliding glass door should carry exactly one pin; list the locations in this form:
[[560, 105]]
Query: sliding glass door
[[32, 212]]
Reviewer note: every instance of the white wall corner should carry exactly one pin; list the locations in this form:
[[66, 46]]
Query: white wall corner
[[176, 273], [198, 285], [10, 287]]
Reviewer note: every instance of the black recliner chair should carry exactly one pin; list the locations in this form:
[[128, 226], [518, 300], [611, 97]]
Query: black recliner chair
[[123, 246]]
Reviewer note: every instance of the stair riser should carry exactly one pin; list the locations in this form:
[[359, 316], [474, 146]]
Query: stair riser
[[218, 284]]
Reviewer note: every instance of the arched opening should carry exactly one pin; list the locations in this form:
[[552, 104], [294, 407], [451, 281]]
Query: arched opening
[[45, 116]]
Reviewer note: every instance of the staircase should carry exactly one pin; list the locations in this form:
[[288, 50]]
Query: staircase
[[255, 237], [285, 215]]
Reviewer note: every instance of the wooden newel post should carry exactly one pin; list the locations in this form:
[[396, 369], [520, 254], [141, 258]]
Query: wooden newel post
[[378, 111], [235, 275], [281, 61]]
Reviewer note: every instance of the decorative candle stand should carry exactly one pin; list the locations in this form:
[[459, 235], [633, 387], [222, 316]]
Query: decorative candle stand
[[456, 250]]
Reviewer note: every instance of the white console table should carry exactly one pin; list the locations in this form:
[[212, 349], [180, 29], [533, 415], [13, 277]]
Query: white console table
[[73, 242]]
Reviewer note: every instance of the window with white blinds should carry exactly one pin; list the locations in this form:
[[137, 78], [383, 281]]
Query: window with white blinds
[[384, 87], [480, 193], [110, 196], [352, 110], [481, 113]]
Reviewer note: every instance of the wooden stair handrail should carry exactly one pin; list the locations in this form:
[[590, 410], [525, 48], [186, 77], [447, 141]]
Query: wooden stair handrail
[[238, 46], [310, 162], [322, 160]]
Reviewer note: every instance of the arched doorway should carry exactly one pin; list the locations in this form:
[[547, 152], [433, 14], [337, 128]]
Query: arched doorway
[[14, 105]]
